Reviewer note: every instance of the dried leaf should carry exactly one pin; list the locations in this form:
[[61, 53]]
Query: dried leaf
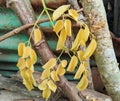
[[79, 72], [21, 49], [73, 63], [82, 85], [54, 76], [43, 85], [62, 39], [46, 93], [26, 52], [60, 70], [50, 64], [73, 13], [64, 63], [58, 26], [52, 85], [28, 63], [37, 35], [67, 25], [21, 63], [33, 56], [45, 74], [59, 11]]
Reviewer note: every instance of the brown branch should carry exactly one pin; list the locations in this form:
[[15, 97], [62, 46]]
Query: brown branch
[[19, 29]]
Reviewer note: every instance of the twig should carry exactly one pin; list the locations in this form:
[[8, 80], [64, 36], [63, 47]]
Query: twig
[[19, 29]]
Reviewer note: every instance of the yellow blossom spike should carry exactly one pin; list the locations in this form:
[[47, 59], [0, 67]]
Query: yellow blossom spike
[[45, 74], [60, 70], [62, 39], [28, 85], [33, 56], [21, 63], [37, 35], [46, 93], [79, 72], [82, 85], [73, 13], [82, 43], [54, 76], [80, 54], [21, 49], [77, 40], [43, 85], [64, 63], [58, 26], [26, 52], [28, 63], [52, 85], [68, 26], [50, 64], [59, 11], [73, 63]]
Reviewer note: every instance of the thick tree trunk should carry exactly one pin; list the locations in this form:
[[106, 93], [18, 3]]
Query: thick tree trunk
[[104, 55]]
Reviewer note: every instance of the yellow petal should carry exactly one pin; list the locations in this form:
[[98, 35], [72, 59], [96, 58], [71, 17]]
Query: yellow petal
[[28, 63], [26, 52], [77, 40], [45, 74], [52, 85], [43, 85], [67, 25], [21, 63], [86, 33], [90, 49], [28, 85], [58, 26], [54, 76], [85, 63], [20, 49], [61, 40], [33, 56], [73, 13], [80, 54], [50, 64], [64, 63], [30, 76], [79, 72], [37, 35], [46, 93], [73, 63], [32, 68], [59, 11], [24, 75], [82, 85], [60, 70]]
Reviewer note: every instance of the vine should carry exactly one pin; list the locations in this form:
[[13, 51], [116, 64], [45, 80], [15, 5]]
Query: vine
[[63, 29]]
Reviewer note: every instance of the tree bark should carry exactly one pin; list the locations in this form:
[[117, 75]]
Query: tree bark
[[104, 55]]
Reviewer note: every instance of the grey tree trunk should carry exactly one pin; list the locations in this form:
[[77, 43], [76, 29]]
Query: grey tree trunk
[[104, 55]]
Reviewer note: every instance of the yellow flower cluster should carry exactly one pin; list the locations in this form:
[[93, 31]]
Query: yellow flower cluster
[[50, 76], [26, 63]]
